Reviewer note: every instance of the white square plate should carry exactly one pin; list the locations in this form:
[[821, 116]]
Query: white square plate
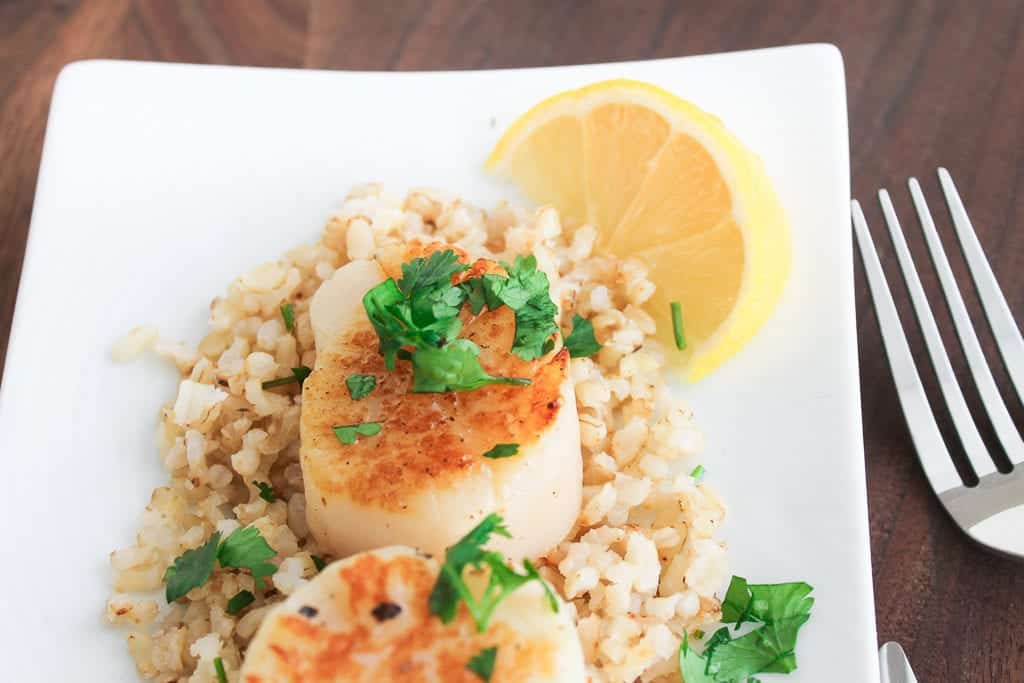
[[143, 162]]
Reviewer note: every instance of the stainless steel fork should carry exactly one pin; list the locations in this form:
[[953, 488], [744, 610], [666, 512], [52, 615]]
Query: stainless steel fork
[[992, 511]]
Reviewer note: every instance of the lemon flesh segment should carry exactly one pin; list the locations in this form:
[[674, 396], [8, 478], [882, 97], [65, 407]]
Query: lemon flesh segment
[[666, 183], [621, 141], [548, 164]]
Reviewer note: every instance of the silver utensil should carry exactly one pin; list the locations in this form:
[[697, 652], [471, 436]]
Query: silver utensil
[[991, 512], [894, 665]]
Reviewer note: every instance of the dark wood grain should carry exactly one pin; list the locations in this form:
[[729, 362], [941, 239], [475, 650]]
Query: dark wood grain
[[929, 83]]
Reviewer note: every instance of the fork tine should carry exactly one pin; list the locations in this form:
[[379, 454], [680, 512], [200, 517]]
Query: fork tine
[[1000, 319], [954, 397], [1008, 435], [931, 449]]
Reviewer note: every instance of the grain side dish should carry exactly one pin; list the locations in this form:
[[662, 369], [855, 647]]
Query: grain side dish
[[641, 565]]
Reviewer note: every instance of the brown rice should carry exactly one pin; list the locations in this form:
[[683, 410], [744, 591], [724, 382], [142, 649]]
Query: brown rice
[[643, 564]]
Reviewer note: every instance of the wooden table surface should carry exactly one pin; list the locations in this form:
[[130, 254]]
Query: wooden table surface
[[930, 83]]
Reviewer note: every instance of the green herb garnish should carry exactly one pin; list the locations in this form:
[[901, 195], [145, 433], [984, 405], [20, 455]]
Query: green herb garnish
[[348, 434], [453, 367], [527, 293], [692, 665], [698, 473], [424, 273], [360, 386], [240, 601], [288, 315], [417, 319], [318, 562], [698, 634], [266, 491], [218, 665], [468, 552], [244, 548], [298, 375], [482, 663], [191, 569], [419, 311], [780, 609], [581, 342], [503, 450], [677, 324]]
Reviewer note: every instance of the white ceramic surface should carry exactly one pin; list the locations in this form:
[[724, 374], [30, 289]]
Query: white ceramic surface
[[160, 183]]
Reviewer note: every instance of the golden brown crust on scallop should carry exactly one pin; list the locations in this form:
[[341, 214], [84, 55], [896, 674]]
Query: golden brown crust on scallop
[[413, 646], [426, 440]]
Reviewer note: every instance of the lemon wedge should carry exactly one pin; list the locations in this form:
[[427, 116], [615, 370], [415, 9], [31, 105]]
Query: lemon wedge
[[667, 183]]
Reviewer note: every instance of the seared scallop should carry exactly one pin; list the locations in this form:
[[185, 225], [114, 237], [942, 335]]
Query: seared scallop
[[423, 480], [366, 619]]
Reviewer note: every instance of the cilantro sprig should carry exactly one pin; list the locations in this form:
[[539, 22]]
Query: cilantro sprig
[[418, 311], [581, 342], [780, 609], [417, 319], [244, 548], [526, 292], [451, 589]]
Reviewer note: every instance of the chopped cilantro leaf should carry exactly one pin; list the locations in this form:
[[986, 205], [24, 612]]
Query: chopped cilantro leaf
[[386, 308], [474, 289], [348, 434], [698, 473], [218, 665], [677, 324], [581, 342], [240, 601], [298, 375], [360, 386], [527, 293], [482, 663], [191, 569], [502, 450], [454, 367], [468, 552], [266, 491], [318, 562], [245, 548], [492, 285], [736, 604], [288, 315], [427, 272]]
